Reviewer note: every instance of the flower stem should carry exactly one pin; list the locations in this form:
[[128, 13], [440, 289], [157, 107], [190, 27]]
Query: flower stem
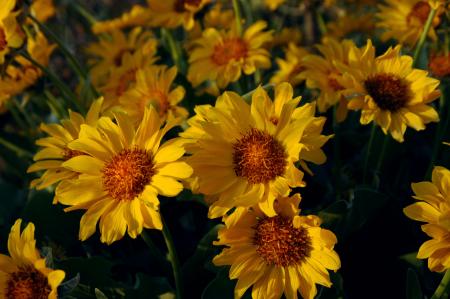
[[423, 36], [237, 16], [174, 49], [368, 152], [441, 290], [382, 153], [173, 258]]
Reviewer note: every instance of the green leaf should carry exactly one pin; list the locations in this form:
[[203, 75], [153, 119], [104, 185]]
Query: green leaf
[[94, 271], [412, 260], [99, 294], [413, 288], [220, 287]]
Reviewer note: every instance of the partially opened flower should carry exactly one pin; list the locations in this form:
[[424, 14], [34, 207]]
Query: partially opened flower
[[389, 91], [222, 56], [55, 150], [275, 255], [11, 35], [244, 155], [433, 207], [24, 274], [121, 175]]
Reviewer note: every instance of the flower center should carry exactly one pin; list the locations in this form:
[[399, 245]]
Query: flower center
[[280, 243], [388, 91], [69, 153], [3, 42], [229, 49], [27, 283], [420, 11], [126, 174], [180, 5], [259, 157]]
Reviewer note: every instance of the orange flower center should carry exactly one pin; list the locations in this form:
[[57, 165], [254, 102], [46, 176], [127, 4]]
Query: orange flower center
[[420, 11], [229, 49], [259, 157], [440, 65], [3, 42], [388, 91], [126, 174], [69, 153], [180, 5], [27, 283], [280, 243]]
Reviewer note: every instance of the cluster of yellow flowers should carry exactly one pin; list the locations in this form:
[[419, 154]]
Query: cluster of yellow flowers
[[247, 154]]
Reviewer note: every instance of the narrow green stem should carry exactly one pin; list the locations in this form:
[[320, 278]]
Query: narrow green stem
[[441, 290], [12, 147], [369, 151], [248, 96], [237, 16], [83, 12], [174, 49], [382, 154], [173, 258], [321, 23], [53, 103], [423, 36], [336, 150]]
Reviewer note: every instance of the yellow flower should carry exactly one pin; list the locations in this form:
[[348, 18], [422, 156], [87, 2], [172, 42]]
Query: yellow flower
[[109, 52], [24, 273], [152, 87], [434, 209], [11, 35], [389, 91], [173, 13], [321, 72], [42, 9], [243, 155], [122, 174], [280, 254], [348, 24], [273, 4], [221, 56], [404, 20], [137, 16], [23, 74], [290, 69], [55, 149]]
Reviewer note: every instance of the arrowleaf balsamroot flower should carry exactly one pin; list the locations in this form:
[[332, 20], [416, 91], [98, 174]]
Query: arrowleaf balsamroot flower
[[284, 253], [122, 174], [11, 35], [433, 207], [388, 90], [24, 274]]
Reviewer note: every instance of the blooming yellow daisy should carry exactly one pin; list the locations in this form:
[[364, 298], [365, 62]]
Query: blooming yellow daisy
[[153, 87], [136, 16], [389, 91], [122, 174], [11, 35], [55, 149], [173, 13], [404, 20], [242, 154], [24, 273], [322, 73], [107, 54], [280, 254], [290, 68], [221, 56], [433, 208]]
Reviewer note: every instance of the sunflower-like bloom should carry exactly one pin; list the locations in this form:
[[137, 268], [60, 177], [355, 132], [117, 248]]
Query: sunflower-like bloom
[[290, 68], [273, 4], [434, 209], [348, 24], [221, 56], [24, 273], [322, 73], [121, 175], [42, 10], [137, 16], [404, 20], [55, 149], [153, 87], [108, 53], [11, 35], [174, 13], [22, 74], [285, 253], [389, 91], [244, 155]]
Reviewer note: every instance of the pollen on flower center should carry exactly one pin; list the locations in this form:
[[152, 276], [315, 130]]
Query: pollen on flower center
[[420, 11], [389, 91], [259, 157], [231, 48], [180, 5], [126, 174], [3, 42], [280, 243], [27, 283]]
